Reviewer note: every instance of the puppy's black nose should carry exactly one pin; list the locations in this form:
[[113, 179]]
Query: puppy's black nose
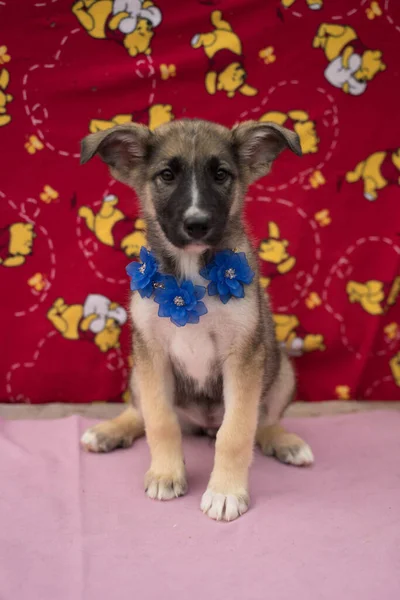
[[197, 227]]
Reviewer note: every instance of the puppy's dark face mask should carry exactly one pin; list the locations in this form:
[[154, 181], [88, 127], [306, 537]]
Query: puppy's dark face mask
[[191, 175]]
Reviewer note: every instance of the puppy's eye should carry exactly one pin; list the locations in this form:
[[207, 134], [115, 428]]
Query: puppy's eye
[[221, 175], [167, 175]]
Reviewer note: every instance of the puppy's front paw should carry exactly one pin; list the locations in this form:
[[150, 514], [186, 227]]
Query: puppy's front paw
[[164, 487], [224, 507], [292, 450], [105, 437]]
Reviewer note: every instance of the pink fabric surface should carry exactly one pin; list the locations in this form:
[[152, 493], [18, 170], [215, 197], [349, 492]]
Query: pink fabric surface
[[78, 526]]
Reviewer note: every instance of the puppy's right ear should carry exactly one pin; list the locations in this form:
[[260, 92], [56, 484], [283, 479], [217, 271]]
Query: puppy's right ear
[[123, 148]]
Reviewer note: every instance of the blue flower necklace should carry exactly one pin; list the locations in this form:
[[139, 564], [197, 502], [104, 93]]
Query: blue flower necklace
[[227, 273]]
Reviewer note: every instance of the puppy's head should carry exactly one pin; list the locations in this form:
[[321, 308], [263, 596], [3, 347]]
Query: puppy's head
[[190, 175]]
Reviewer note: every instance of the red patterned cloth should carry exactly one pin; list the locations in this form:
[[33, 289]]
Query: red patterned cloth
[[327, 225]]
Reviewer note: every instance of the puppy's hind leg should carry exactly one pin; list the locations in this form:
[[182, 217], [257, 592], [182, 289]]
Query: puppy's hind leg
[[272, 437], [115, 433]]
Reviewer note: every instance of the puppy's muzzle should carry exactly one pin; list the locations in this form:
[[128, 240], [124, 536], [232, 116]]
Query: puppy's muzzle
[[197, 227]]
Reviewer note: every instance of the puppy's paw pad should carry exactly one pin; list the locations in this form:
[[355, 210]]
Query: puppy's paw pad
[[96, 440], [224, 507], [299, 455], [163, 487]]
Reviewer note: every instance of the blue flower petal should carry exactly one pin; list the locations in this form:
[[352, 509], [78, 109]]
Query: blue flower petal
[[247, 277], [169, 282], [178, 311], [238, 292], [164, 310], [161, 296], [214, 273], [212, 289], [204, 272], [143, 254], [222, 257], [132, 268], [145, 292], [200, 309], [199, 291], [233, 284], [222, 288], [193, 318], [179, 316], [188, 286], [187, 296], [225, 298]]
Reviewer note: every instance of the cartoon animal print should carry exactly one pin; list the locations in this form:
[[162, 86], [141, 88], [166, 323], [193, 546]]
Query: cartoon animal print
[[223, 48], [371, 294], [112, 228], [157, 115], [351, 63], [287, 331], [4, 97], [377, 171], [16, 242], [394, 364], [98, 320], [129, 22], [273, 250], [300, 121], [312, 4]]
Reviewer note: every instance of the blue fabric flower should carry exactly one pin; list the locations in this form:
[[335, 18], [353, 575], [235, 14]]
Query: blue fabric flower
[[227, 273], [182, 304], [143, 274]]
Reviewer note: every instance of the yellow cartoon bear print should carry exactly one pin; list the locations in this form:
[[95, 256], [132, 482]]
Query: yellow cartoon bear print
[[351, 63], [312, 4], [394, 364], [302, 125], [286, 331], [4, 97], [273, 250], [223, 48], [16, 242], [129, 22], [157, 115], [112, 228], [377, 171], [371, 294], [98, 320]]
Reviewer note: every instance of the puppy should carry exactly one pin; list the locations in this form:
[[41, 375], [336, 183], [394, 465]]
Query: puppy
[[226, 374]]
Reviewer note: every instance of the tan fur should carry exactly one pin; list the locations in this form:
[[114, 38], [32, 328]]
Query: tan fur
[[166, 476], [115, 433], [234, 445]]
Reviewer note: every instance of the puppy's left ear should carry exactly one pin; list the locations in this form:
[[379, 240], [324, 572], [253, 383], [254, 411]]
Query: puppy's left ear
[[123, 148], [258, 144]]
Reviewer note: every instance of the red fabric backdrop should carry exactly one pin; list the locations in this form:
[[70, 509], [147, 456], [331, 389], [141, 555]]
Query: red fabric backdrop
[[327, 225]]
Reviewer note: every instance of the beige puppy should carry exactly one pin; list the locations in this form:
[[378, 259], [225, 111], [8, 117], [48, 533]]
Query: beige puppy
[[226, 374]]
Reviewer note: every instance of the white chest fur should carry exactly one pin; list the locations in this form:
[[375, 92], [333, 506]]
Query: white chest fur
[[196, 347], [192, 347]]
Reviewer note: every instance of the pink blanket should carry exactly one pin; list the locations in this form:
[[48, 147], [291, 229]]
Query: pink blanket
[[77, 526]]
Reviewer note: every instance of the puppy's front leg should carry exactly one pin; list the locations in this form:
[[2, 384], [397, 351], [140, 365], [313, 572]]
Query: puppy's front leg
[[154, 379], [227, 497]]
